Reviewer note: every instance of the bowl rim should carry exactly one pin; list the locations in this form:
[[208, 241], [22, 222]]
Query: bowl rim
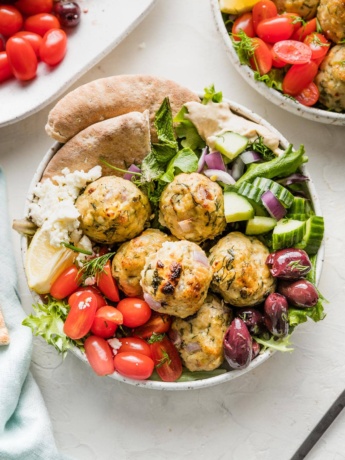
[[272, 95], [229, 375]]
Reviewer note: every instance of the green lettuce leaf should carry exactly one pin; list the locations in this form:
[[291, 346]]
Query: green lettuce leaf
[[187, 132], [282, 344], [210, 94], [185, 161], [300, 315], [272, 79]]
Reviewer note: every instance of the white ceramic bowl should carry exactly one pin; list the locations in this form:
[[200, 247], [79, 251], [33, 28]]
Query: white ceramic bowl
[[291, 105], [230, 375]]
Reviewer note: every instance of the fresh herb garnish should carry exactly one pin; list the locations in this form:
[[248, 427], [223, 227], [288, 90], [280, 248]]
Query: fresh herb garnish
[[244, 47], [95, 267], [102, 160], [210, 94], [258, 146], [75, 249]]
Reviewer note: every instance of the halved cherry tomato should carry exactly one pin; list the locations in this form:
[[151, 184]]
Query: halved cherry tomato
[[292, 52], [22, 58], [105, 321], [299, 77], [30, 7], [275, 29], [53, 47], [41, 23], [99, 355], [80, 317], [306, 29], [244, 23], [309, 95], [66, 283], [134, 365], [76, 295], [35, 40], [262, 58], [262, 10], [107, 284], [276, 62], [129, 344], [167, 360], [318, 44], [11, 20], [136, 312], [5, 68], [156, 324]]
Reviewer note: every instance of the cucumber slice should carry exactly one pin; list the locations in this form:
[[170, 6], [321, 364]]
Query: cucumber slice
[[287, 233], [284, 196], [313, 237], [300, 205], [259, 225], [250, 192], [236, 207], [230, 144], [297, 216]]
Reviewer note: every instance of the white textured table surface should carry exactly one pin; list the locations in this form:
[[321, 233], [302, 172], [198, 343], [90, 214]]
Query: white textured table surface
[[262, 415]]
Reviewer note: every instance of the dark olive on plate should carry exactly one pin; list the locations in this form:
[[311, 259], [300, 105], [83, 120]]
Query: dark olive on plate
[[289, 263], [68, 13], [253, 319], [276, 314], [301, 293], [238, 345]]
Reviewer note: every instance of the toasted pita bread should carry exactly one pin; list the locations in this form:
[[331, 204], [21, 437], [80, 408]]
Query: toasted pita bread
[[4, 336], [110, 97], [120, 141]]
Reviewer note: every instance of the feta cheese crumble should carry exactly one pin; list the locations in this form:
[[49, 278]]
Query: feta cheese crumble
[[85, 304]]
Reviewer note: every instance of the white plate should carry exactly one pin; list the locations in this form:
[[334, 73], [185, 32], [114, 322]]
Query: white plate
[[104, 24], [157, 385], [286, 103]]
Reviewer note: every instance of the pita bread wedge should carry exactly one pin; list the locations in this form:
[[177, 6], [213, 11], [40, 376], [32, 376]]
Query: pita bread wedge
[[120, 141], [4, 336], [110, 97]]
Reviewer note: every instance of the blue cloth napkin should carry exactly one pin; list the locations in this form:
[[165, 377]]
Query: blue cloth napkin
[[25, 427]]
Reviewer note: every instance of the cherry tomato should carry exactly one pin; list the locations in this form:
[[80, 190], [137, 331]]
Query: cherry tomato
[[105, 321], [53, 47], [167, 360], [134, 365], [100, 299], [80, 317], [318, 44], [136, 312], [299, 77], [306, 29], [296, 20], [309, 95], [30, 7], [2, 43], [264, 9], [107, 284], [261, 61], [292, 52], [276, 62], [11, 20], [66, 283], [99, 355], [22, 58], [5, 68], [156, 324], [35, 40], [244, 23], [130, 344], [41, 23], [273, 30]]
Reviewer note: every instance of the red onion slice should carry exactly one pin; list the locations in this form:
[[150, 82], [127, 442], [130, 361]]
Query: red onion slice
[[200, 257], [214, 160], [185, 225], [293, 179], [152, 302], [273, 205], [237, 169], [250, 157], [221, 176], [132, 169], [201, 162], [193, 347]]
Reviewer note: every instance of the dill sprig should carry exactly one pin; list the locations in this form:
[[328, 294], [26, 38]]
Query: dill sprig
[[76, 249], [95, 267], [258, 146]]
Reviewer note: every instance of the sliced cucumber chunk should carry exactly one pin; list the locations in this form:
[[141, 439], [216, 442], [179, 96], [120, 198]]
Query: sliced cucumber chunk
[[313, 237], [301, 206], [259, 225], [250, 192], [237, 208], [284, 196], [230, 144], [287, 233]]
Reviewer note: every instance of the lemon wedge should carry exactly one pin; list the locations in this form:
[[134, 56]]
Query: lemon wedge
[[236, 6], [44, 262]]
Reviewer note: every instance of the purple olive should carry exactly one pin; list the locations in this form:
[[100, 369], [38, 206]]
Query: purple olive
[[276, 314], [289, 263], [253, 319], [237, 345], [300, 293], [68, 13]]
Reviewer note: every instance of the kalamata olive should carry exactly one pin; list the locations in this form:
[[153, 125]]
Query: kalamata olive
[[276, 314], [255, 349], [300, 293], [237, 345], [68, 13], [289, 263], [253, 319]]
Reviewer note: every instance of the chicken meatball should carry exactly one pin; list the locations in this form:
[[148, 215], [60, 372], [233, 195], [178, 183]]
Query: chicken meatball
[[331, 79], [176, 278], [129, 259], [112, 210], [304, 8], [199, 338], [240, 273], [192, 208], [331, 16]]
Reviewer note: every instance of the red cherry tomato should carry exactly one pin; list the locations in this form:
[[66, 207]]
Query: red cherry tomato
[[306, 29], [292, 52], [22, 58], [134, 365], [41, 23], [273, 30], [309, 95], [156, 324], [99, 355], [35, 40], [53, 47], [136, 312], [299, 77], [11, 20], [105, 321], [100, 299], [261, 61], [5, 68], [167, 360], [244, 23], [318, 44], [130, 344], [80, 317], [66, 283], [296, 20], [30, 7], [107, 284], [264, 9], [276, 62]]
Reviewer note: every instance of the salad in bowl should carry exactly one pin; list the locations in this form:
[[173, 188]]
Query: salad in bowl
[[171, 240]]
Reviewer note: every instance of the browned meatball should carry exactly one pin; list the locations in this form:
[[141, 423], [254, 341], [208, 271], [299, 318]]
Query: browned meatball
[[304, 8], [331, 79], [331, 16]]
